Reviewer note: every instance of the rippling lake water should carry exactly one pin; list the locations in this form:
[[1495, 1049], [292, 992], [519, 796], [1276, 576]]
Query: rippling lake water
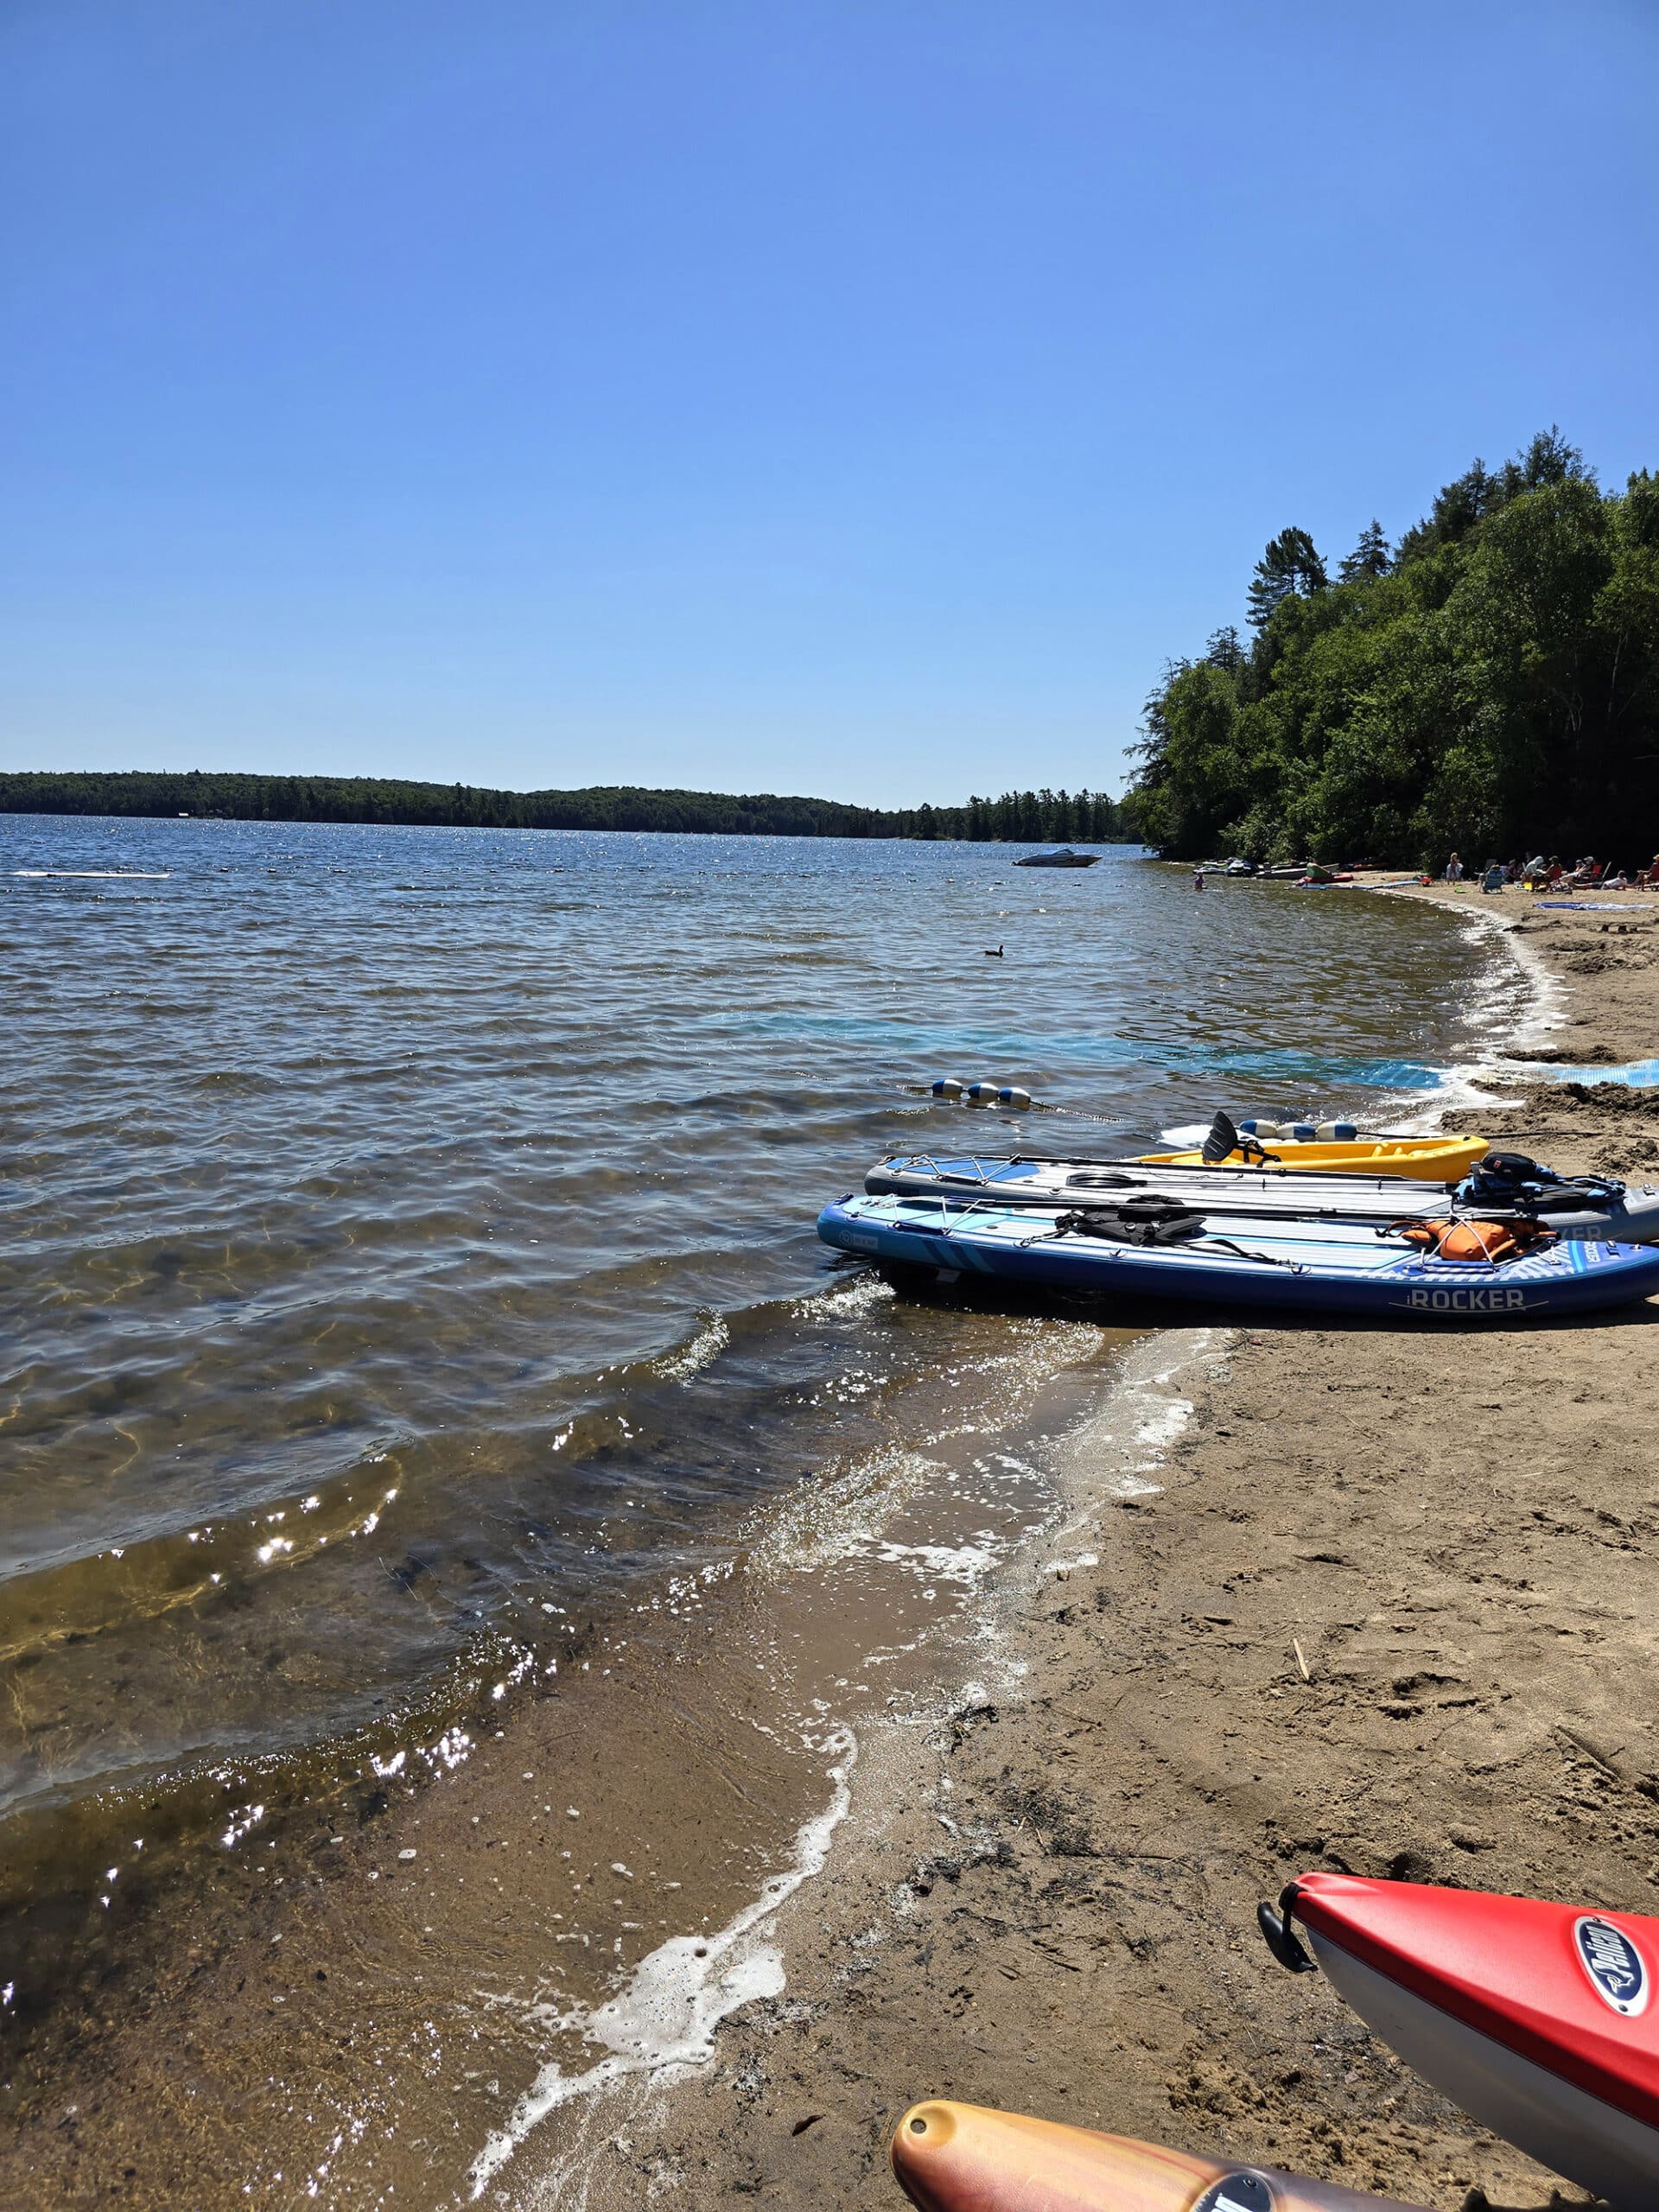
[[409, 1238]]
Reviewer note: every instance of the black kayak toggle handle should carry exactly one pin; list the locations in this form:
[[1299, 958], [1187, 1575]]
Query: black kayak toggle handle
[[1278, 1934]]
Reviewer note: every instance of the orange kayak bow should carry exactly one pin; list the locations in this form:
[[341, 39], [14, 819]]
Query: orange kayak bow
[[951, 2158]]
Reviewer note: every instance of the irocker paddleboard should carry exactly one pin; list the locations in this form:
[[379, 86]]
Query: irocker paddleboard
[[1538, 2019], [1326, 1267], [951, 2158]]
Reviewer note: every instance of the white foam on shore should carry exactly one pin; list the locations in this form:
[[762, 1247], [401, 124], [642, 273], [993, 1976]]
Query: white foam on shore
[[964, 1565], [1117, 1451], [1514, 1007], [1544, 1009], [662, 2026]]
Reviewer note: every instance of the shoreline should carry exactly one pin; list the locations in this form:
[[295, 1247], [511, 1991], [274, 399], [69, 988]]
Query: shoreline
[[421, 1990], [1380, 1643]]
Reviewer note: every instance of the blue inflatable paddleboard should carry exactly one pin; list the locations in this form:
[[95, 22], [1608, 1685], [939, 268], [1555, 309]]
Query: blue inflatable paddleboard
[[1270, 1262]]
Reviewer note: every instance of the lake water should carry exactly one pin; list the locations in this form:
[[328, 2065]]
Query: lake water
[[409, 1255]]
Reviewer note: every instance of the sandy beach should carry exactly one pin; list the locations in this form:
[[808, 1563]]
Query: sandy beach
[[1386, 1611]]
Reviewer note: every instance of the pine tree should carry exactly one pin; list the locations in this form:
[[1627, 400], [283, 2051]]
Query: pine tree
[[1290, 564], [1370, 559], [1225, 649]]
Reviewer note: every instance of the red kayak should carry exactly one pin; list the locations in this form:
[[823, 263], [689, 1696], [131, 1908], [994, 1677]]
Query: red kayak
[[1537, 2018], [951, 2158]]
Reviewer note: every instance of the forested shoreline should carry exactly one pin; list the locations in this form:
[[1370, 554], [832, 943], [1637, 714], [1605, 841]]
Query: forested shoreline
[[1091, 818], [1490, 685]]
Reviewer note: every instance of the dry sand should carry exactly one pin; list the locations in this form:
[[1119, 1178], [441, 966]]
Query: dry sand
[[1391, 1613]]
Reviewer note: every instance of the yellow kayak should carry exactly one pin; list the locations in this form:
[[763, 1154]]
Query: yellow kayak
[[1426, 1160]]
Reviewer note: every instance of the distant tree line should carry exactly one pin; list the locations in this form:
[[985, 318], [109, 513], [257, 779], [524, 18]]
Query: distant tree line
[[1490, 684], [1091, 817]]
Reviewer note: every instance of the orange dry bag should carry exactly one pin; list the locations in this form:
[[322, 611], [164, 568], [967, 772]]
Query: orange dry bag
[[1493, 1242]]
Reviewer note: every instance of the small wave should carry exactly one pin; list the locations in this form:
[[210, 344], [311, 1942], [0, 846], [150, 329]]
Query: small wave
[[76, 1596], [690, 1360], [97, 874], [1119, 1450], [847, 1302], [842, 1517], [1517, 1002]]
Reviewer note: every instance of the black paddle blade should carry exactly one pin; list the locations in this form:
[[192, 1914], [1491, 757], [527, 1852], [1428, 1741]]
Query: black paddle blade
[[1222, 1140]]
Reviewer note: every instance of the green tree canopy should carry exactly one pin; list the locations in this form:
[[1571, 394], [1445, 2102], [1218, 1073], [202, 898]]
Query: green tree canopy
[[1496, 688], [1092, 815], [1370, 559], [1290, 566]]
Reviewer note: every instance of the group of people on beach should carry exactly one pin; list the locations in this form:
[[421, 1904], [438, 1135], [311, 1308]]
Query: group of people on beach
[[1539, 874]]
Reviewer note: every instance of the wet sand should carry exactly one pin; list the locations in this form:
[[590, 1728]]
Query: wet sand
[[1045, 1899]]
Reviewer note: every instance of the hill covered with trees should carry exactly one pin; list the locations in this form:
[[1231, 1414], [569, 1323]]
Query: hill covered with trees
[[1490, 684], [1083, 817]]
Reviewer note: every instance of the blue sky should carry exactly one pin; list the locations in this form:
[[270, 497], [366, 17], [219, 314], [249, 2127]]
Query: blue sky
[[861, 399]]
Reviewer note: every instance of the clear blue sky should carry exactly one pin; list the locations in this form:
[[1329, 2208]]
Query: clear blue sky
[[853, 396]]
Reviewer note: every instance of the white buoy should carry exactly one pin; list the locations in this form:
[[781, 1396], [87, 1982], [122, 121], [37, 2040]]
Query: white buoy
[[1011, 1094], [1263, 1129], [948, 1086], [1303, 1132], [1338, 1133], [981, 1094]]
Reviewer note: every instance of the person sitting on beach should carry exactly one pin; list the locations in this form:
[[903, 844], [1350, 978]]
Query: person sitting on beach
[[1496, 876], [1454, 870]]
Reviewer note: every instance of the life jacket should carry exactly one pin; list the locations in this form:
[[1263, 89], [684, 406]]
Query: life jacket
[[1510, 1179], [1493, 1242], [1149, 1219]]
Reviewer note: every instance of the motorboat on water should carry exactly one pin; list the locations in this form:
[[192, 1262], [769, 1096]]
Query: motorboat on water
[[1063, 856]]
